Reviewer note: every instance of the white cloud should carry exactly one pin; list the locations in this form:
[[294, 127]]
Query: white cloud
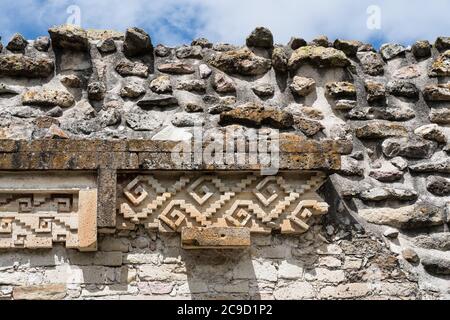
[[176, 21]]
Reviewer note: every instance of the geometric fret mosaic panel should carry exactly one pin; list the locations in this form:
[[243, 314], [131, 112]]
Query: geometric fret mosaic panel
[[286, 203]]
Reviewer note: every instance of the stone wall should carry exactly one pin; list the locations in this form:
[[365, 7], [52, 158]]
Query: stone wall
[[108, 105]]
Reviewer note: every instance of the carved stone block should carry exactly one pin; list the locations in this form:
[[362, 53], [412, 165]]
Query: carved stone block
[[213, 238], [172, 202], [37, 211]]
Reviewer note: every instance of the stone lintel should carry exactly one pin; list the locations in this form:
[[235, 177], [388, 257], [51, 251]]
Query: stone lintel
[[215, 238]]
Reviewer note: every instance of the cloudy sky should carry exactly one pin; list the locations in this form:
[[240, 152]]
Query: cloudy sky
[[179, 21]]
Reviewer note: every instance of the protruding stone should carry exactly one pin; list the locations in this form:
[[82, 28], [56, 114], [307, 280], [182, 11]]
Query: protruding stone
[[376, 91], [391, 233], [341, 90], [279, 59], [349, 47], [6, 90], [296, 43], [308, 127], [351, 167], [17, 43], [48, 98], [142, 121], [137, 43], [400, 163], [422, 49], [55, 132], [132, 89], [391, 50], [442, 43], [223, 84], [411, 256], [383, 194], [408, 72], [242, 61], [302, 86], [17, 65], [440, 116], [202, 42], [42, 292], [69, 37], [439, 92], [151, 100], [381, 130], [435, 165], [162, 51], [372, 63], [193, 85], [264, 90], [42, 44], [71, 81], [107, 46], [438, 186], [127, 68], [205, 71], [388, 173], [319, 56], [96, 91], [345, 105], [321, 41], [176, 68], [412, 148], [435, 241], [255, 115], [215, 238], [403, 89], [162, 84], [185, 120], [436, 266], [408, 217], [431, 132], [261, 38], [189, 52], [441, 66]]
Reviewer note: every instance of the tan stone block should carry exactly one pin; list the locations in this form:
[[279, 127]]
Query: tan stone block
[[87, 230], [215, 238], [44, 292]]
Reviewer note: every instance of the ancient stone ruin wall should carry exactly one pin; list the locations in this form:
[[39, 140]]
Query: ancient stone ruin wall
[[93, 206]]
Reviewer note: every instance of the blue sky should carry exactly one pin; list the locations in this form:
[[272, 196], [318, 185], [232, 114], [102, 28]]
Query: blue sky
[[179, 21]]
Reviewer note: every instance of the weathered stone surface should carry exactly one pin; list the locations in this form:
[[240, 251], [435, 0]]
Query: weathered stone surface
[[242, 61], [441, 66], [255, 115], [431, 132], [142, 121], [17, 43], [264, 90], [193, 85], [435, 265], [409, 217], [48, 98], [127, 68], [372, 63], [96, 91], [309, 127], [403, 89], [137, 43], [422, 49], [437, 166], [442, 43], [162, 84], [302, 86], [295, 291], [157, 100], [408, 72], [42, 44], [296, 43], [189, 52], [132, 89], [436, 241], [71, 81], [202, 42], [438, 186], [205, 71], [440, 92], [376, 91], [349, 47], [345, 104], [69, 37], [412, 147], [440, 116], [43, 292], [410, 255], [321, 41], [162, 51], [176, 68], [381, 130], [222, 83], [260, 37], [55, 132], [17, 65], [391, 50], [383, 194], [280, 59], [389, 173], [183, 120], [215, 238], [319, 56], [351, 167], [341, 90]]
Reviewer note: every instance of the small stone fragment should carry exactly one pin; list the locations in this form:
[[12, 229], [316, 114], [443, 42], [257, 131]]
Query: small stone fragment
[[436, 266], [438, 186], [264, 90], [376, 91], [372, 63], [279, 59], [162, 51], [345, 105], [242, 61], [319, 56], [132, 89], [442, 43], [381, 130], [205, 71], [403, 89], [189, 52], [383, 194], [408, 72], [440, 116], [349, 47], [193, 85], [411, 256], [96, 91], [202, 42], [302, 86], [431, 132], [411, 148], [48, 98], [183, 120], [107, 46], [223, 84], [176, 68], [17, 43], [18, 65], [296, 43], [71, 81], [151, 100], [321, 41], [441, 66], [42, 44], [308, 127], [55, 132], [439, 92]]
